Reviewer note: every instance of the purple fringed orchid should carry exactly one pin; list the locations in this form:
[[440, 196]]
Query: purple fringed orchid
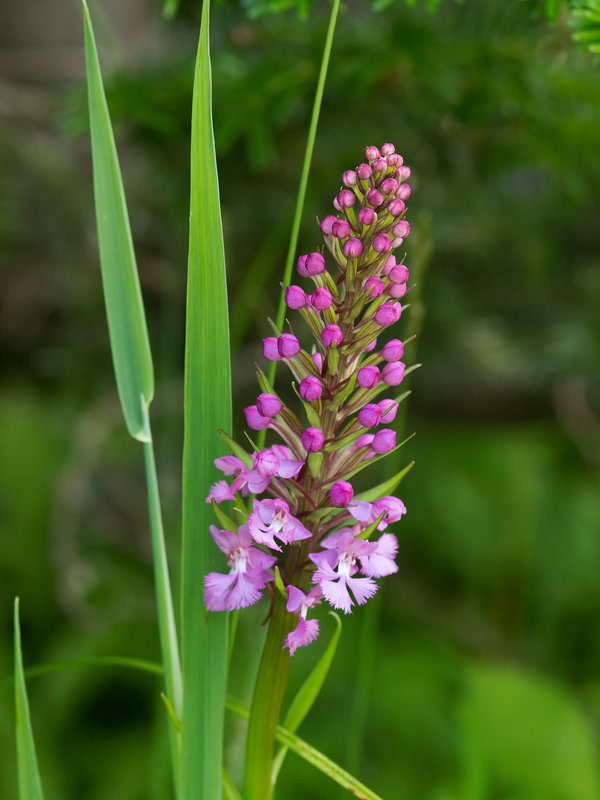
[[305, 517], [306, 631], [271, 518], [248, 575]]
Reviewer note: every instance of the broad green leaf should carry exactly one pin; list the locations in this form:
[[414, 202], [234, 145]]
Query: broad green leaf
[[30, 785], [122, 295], [207, 408], [312, 756], [386, 488], [308, 693]]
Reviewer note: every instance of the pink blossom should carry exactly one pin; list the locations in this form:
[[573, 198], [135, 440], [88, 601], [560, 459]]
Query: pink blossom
[[307, 630], [335, 569], [271, 518], [247, 576], [381, 561]]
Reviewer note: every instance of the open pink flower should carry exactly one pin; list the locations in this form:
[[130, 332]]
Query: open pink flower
[[247, 576], [307, 630], [271, 518], [336, 567]]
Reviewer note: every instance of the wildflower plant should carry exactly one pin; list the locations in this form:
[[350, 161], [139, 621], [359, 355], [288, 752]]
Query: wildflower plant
[[301, 533]]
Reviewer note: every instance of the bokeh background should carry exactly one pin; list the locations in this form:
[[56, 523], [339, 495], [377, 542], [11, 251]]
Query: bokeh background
[[476, 673]]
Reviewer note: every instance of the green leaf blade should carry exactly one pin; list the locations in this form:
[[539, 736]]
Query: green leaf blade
[[207, 408], [30, 784], [122, 294]]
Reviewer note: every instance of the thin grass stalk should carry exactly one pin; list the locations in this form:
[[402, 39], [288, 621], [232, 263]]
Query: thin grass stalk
[[207, 408], [308, 154], [166, 616]]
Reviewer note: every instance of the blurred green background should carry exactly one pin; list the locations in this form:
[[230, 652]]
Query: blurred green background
[[476, 674]]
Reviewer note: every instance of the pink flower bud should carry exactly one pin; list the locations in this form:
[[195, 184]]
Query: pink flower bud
[[389, 409], [255, 420], [398, 274], [364, 172], [372, 153], [396, 207], [331, 334], [379, 165], [352, 247], [346, 198], [270, 350], [318, 361], [384, 441], [381, 243], [370, 415], [394, 509], [268, 404], [375, 198], [366, 216], [393, 373], [349, 178], [341, 493], [312, 439], [266, 463], [336, 204], [310, 388], [368, 377], [403, 173], [341, 229], [397, 290], [321, 299], [301, 266], [401, 229], [403, 192], [387, 149], [315, 264], [327, 224], [387, 314], [295, 297], [288, 345], [371, 346], [374, 286], [393, 350], [362, 441], [389, 186], [394, 160], [391, 262]]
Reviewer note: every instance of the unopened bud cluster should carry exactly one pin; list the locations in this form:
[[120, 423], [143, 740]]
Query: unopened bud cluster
[[324, 539]]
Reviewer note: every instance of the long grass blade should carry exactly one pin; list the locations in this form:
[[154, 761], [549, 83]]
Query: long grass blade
[[207, 408], [130, 345], [164, 599], [312, 756], [126, 320], [30, 784]]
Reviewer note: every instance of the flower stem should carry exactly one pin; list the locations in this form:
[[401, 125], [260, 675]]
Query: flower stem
[[271, 682]]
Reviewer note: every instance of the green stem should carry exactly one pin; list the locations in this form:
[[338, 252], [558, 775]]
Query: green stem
[[164, 600], [271, 682]]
